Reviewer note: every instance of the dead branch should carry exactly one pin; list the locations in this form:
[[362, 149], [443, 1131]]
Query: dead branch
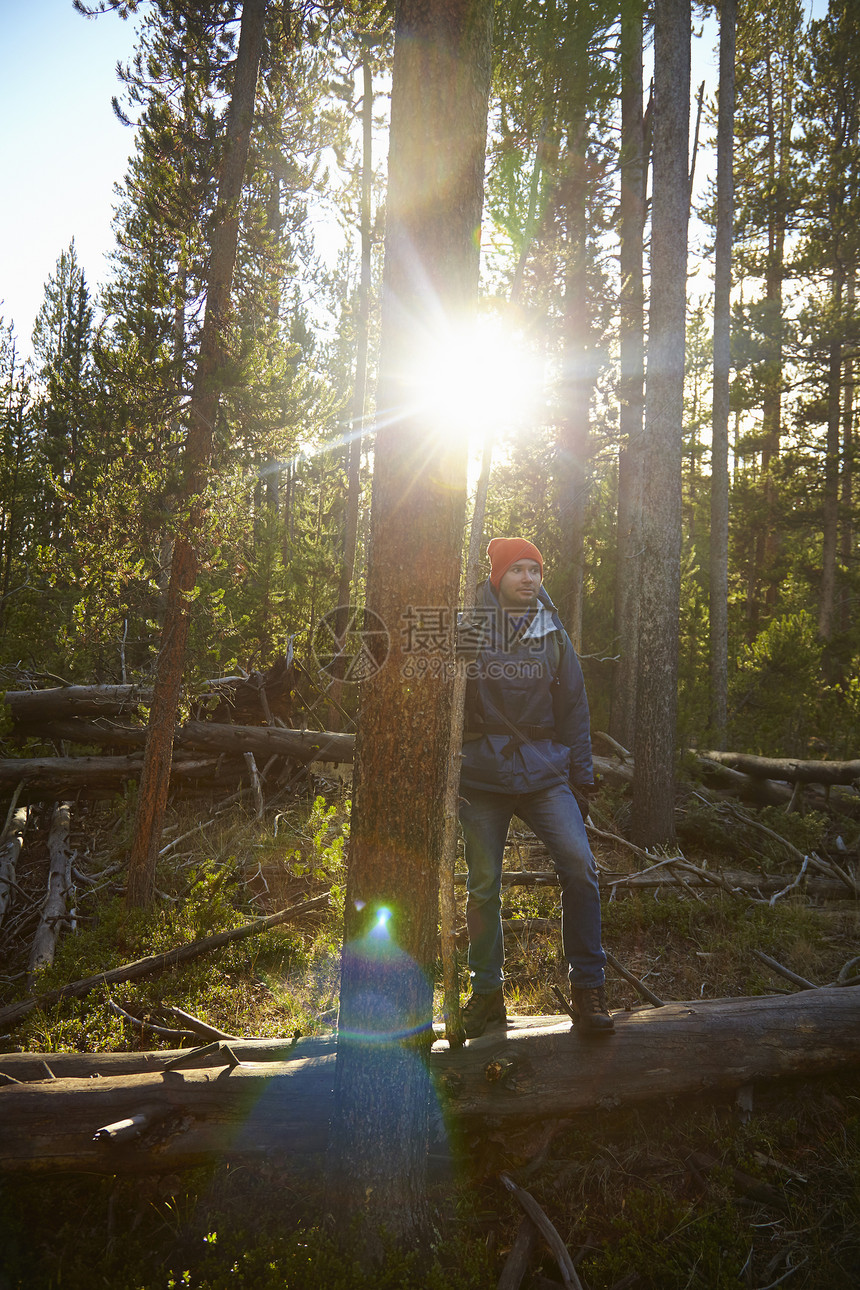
[[519, 1258], [784, 971], [547, 1230], [638, 985]]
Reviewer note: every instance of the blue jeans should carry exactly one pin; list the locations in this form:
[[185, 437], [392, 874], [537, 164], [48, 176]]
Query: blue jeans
[[554, 817]]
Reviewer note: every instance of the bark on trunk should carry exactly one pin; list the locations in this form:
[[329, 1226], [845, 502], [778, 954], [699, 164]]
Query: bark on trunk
[[202, 415], [654, 782], [359, 395], [187, 1117], [719, 553], [632, 380], [435, 192]]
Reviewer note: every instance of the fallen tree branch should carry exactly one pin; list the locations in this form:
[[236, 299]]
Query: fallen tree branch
[[784, 971], [519, 1258], [199, 1027], [547, 1230], [149, 1027], [638, 985], [12, 1014]]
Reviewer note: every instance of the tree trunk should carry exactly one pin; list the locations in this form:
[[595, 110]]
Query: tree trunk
[[719, 551], [202, 414], [830, 526], [359, 396], [634, 169], [577, 376], [849, 449], [538, 1069], [654, 784], [435, 192]]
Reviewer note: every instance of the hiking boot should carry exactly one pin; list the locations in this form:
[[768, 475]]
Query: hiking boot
[[592, 1011], [483, 1010]]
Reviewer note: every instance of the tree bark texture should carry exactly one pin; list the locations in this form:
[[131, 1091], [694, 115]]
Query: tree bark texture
[[654, 783], [202, 413], [437, 144], [359, 393], [538, 1069], [718, 615], [578, 370], [631, 390]]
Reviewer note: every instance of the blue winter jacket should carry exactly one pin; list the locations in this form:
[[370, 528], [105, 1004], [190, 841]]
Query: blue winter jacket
[[527, 724]]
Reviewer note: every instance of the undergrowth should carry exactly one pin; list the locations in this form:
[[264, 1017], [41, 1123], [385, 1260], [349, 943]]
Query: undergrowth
[[621, 1187]]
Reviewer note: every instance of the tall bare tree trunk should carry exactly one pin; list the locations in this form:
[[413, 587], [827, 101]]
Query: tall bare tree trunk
[[359, 395], [377, 1172], [577, 379], [203, 409], [830, 534], [719, 554], [634, 166], [656, 712], [846, 535]]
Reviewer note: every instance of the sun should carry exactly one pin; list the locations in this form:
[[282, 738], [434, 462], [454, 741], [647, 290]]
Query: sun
[[477, 379]]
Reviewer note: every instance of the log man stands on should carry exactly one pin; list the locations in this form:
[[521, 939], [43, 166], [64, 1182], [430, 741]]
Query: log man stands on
[[526, 752]]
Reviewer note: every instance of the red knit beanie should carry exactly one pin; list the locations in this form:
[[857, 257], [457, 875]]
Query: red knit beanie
[[504, 552]]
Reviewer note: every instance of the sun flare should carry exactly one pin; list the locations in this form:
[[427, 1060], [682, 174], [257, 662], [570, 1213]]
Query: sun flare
[[478, 379]]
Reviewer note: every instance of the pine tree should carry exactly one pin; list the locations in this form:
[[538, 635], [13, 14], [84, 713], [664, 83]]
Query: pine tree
[[829, 109]]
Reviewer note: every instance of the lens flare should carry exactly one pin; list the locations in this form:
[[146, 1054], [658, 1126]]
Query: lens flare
[[477, 379]]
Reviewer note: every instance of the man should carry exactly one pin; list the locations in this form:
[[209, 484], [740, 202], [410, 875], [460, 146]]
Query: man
[[526, 752]]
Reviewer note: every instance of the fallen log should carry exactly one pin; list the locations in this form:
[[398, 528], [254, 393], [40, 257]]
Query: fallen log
[[763, 884], [281, 1110], [24, 1067], [792, 769], [14, 1012], [66, 774], [55, 908], [206, 736], [750, 788], [257, 696], [29, 707]]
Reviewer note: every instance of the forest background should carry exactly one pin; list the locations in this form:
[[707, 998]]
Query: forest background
[[92, 423]]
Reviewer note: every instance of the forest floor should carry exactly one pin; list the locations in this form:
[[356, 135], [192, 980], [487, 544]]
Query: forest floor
[[698, 1195]]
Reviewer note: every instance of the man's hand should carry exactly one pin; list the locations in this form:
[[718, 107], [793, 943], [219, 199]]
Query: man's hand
[[583, 794]]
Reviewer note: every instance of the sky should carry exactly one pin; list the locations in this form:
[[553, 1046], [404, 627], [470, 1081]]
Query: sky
[[61, 147]]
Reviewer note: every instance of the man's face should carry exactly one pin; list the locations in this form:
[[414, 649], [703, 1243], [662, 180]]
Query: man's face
[[519, 585]]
